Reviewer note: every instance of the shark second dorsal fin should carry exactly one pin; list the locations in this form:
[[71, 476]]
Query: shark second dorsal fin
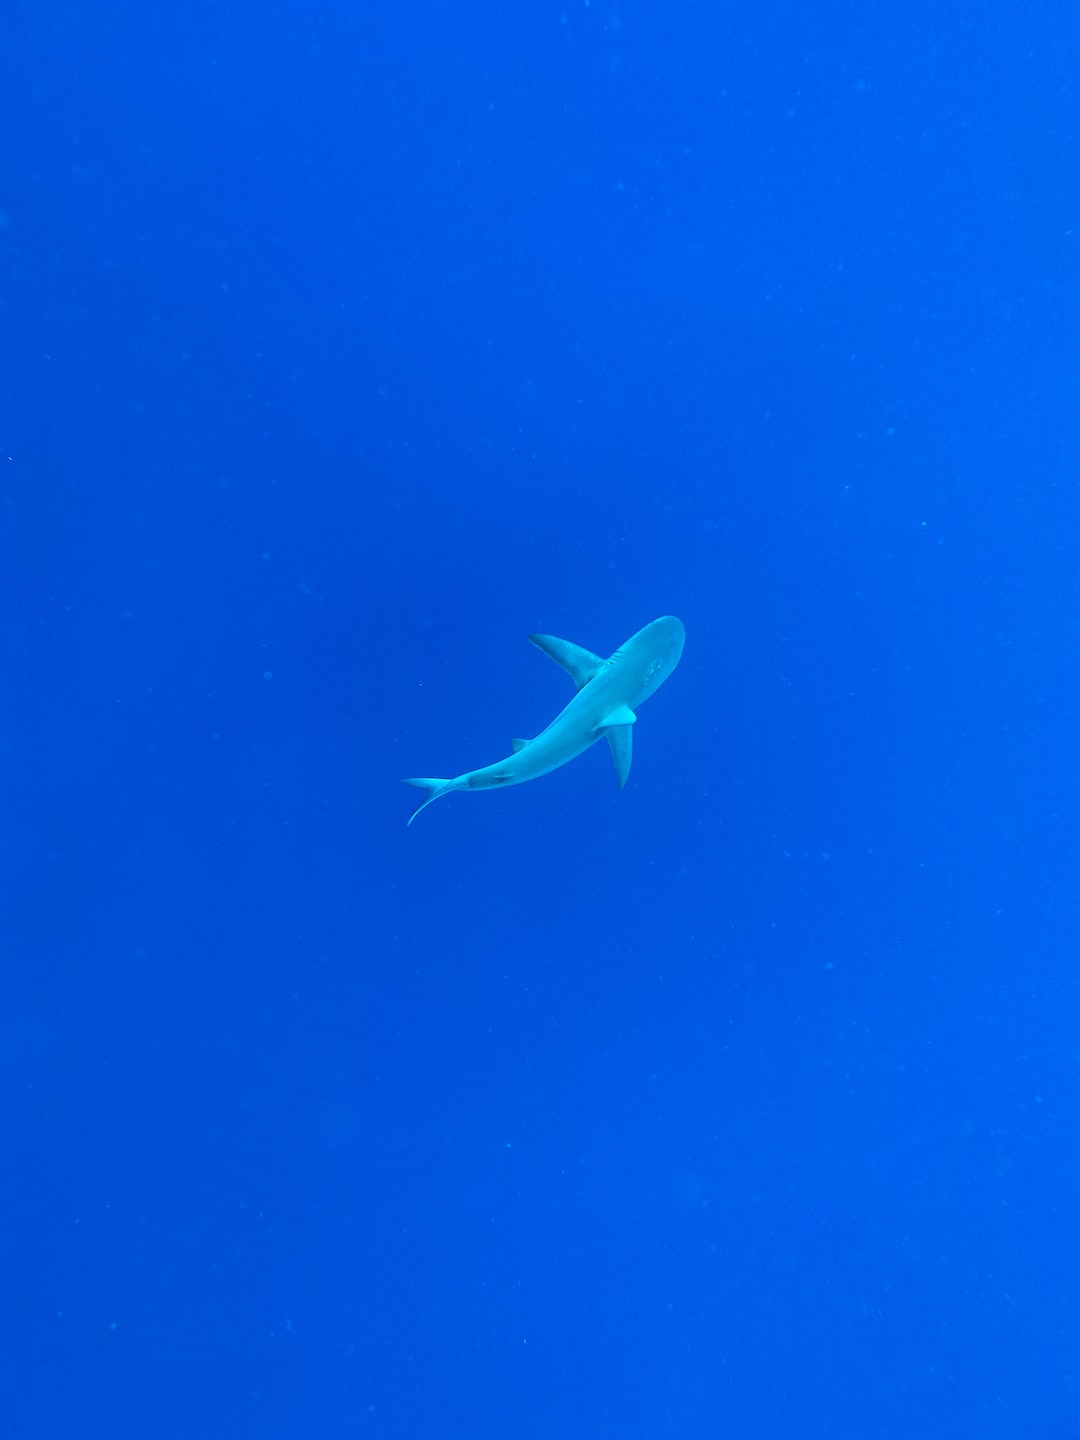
[[580, 664], [517, 745]]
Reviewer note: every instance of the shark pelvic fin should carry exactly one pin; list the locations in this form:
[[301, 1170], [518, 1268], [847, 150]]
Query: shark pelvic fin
[[580, 664]]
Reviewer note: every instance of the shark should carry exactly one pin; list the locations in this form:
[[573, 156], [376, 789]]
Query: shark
[[608, 695]]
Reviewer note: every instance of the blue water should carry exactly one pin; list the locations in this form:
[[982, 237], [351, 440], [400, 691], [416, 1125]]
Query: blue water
[[343, 346]]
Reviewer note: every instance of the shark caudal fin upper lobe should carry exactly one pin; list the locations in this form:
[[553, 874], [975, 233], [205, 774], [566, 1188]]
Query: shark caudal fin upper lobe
[[434, 786]]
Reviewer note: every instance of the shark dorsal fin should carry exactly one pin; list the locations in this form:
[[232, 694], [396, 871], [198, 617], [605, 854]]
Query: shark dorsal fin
[[580, 664], [517, 745]]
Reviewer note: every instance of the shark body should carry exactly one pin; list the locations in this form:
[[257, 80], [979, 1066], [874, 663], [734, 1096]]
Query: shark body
[[608, 693]]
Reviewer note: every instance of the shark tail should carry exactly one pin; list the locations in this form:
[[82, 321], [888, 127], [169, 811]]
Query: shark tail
[[435, 787]]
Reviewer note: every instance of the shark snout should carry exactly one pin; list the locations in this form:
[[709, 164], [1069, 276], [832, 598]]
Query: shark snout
[[667, 636]]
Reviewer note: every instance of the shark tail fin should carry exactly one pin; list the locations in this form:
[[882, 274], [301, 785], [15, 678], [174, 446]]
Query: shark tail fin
[[435, 788]]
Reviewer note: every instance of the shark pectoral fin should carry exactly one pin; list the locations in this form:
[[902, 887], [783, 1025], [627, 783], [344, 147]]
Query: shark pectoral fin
[[621, 715], [517, 745], [580, 664], [621, 740], [618, 726]]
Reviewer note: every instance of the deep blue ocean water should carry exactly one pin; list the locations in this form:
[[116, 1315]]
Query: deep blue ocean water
[[341, 347]]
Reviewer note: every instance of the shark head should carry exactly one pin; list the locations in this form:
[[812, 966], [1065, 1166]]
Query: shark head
[[649, 657]]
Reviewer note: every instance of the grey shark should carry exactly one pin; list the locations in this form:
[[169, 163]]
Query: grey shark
[[608, 693]]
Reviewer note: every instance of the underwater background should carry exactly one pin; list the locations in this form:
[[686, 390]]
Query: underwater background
[[342, 346]]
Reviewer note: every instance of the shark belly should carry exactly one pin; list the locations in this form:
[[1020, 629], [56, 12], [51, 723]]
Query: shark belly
[[538, 757]]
